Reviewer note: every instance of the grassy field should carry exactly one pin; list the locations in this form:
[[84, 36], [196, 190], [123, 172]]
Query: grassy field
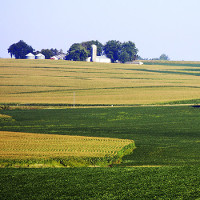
[[166, 162], [163, 135], [56, 82], [101, 183]]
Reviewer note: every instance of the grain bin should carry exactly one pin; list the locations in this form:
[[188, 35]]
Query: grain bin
[[39, 56], [30, 56]]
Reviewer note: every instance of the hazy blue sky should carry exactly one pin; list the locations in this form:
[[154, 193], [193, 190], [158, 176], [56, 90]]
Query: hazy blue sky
[[156, 26]]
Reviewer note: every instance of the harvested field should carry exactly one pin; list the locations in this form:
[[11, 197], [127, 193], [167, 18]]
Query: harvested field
[[17, 145], [25, 81]]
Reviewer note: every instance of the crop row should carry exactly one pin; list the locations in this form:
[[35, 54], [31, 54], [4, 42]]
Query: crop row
[[22, 146], [30, 82]]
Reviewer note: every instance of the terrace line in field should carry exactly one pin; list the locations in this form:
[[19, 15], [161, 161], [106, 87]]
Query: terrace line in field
[[17, 145], [44, 81]]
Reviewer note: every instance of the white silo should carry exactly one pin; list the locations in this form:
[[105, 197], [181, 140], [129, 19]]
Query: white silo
[[30, 56], [93, 53], [39, 56]]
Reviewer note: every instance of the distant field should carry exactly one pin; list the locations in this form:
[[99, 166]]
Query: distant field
[[66, 82]]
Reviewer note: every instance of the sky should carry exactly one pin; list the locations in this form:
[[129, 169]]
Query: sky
[[155, 26]]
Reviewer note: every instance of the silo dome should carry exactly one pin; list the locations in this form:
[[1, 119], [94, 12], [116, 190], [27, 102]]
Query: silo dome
[[39, 56], [30, 56]]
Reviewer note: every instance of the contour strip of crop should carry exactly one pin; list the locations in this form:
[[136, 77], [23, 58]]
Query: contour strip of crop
[[17, 145]]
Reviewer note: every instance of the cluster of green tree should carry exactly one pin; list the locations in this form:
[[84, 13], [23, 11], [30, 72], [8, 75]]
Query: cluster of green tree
[[123, 52], [48, 53], [115, 50], [80, 51], [162, 57], [20, 49]]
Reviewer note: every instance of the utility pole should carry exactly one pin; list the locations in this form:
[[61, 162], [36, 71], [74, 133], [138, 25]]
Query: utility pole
[[74, 99]]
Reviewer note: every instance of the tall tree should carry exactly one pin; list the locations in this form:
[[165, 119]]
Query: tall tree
[[55, 52], [124, 56], [112, 49], [131, 52], [20, 49], [87, 45], [47, 53], [77, 53], [164, 57]]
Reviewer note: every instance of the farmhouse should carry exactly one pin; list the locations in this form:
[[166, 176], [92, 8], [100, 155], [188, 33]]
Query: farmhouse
[[58, 57], [54, 58], [95, 58]]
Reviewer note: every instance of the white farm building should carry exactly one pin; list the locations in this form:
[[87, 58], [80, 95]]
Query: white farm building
[[39, 56], [54, 58], [102, 59], [30, 56], [58, 57]]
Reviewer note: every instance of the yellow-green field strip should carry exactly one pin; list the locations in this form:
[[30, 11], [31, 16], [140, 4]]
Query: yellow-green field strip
[[18, 145]]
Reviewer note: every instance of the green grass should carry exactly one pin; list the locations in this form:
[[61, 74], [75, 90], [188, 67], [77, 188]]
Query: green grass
[[101, 183]]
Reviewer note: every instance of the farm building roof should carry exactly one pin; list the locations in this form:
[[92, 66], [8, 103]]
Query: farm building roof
[[30, 54], [39, 54]]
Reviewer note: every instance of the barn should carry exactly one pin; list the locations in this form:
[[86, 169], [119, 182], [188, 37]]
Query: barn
[[103, 59]]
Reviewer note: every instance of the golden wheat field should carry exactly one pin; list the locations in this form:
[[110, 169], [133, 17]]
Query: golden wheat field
[[47, 81], [17, 145]]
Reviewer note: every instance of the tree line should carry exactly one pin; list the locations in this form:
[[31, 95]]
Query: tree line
[[20, 49], [113, 49]]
